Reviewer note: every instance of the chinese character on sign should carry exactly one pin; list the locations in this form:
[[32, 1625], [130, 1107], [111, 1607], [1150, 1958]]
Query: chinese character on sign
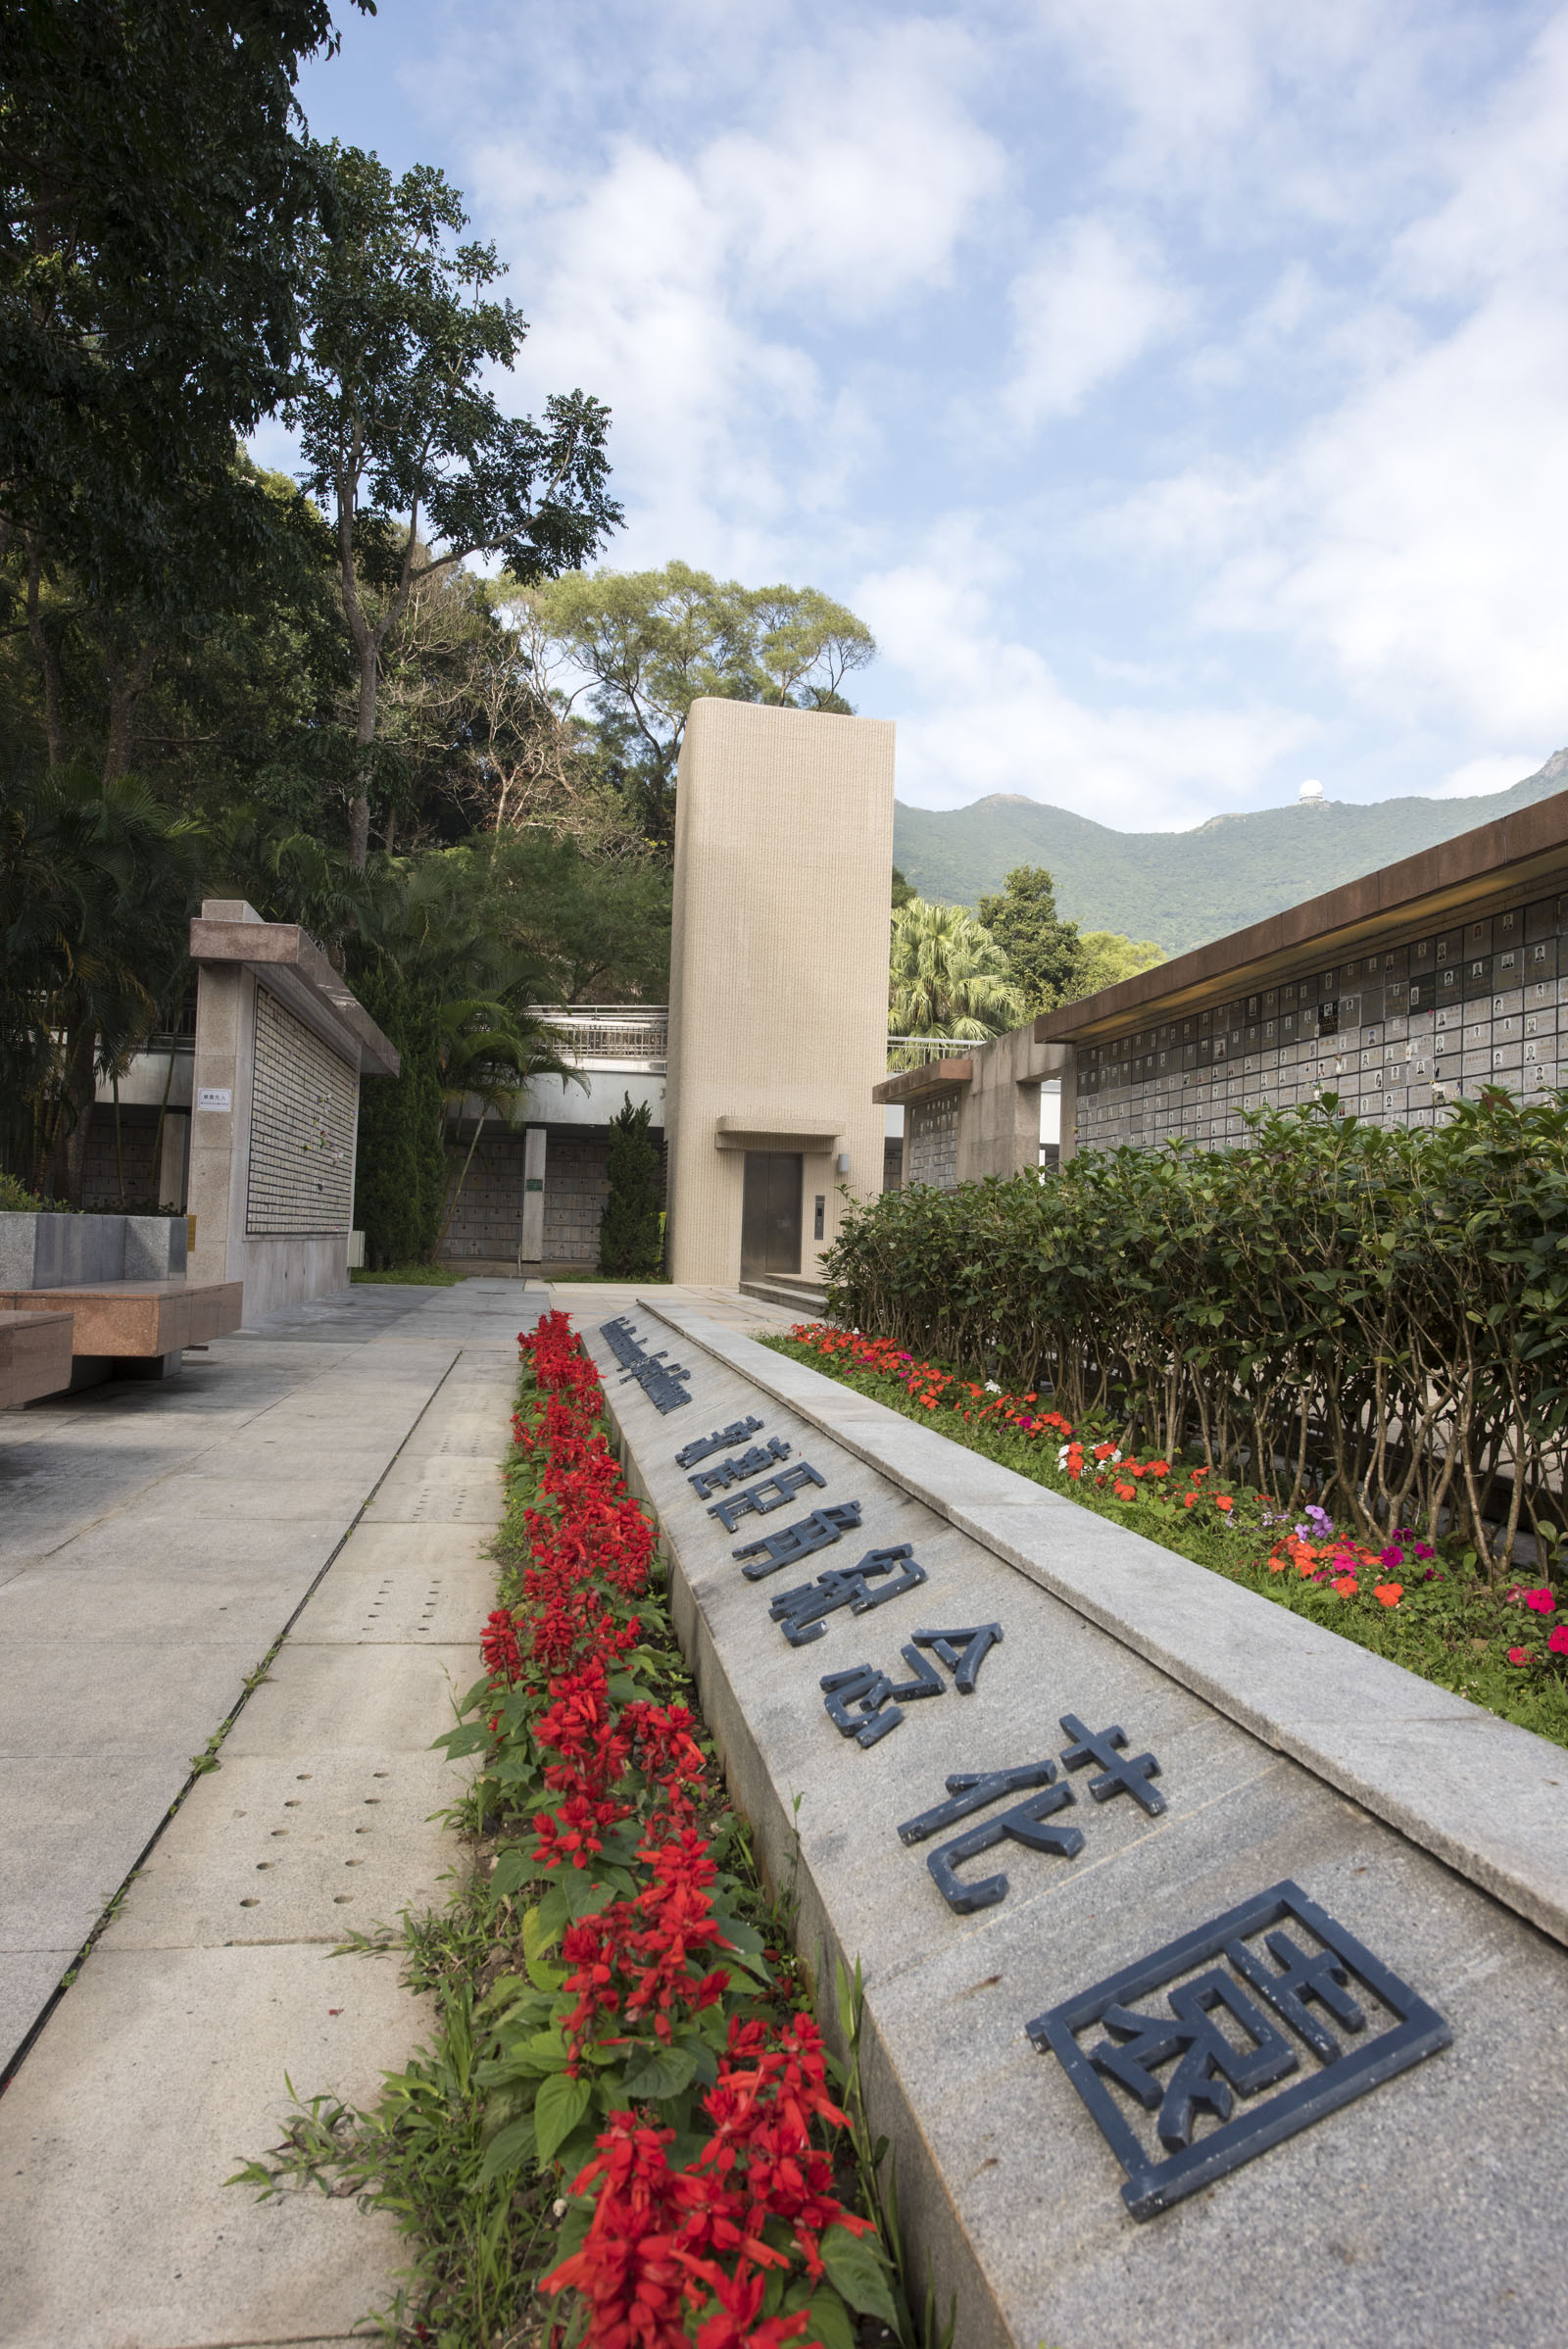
[[705, 1446], [801, 1612], [971, 1790], [772, 1494], [735, 1471], [793, 1543], [976, 1790], [862, 1703], [1312, 2012]]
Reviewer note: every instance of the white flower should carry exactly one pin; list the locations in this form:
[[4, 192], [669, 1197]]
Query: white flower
[[991, 1388]]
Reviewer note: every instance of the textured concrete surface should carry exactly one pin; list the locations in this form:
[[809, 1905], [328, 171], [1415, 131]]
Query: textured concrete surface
[[1487, 1797], [165, 1541], [1423, 2212]]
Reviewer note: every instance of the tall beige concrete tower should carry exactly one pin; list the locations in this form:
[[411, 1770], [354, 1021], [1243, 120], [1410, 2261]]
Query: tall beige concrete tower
[[779, 985]]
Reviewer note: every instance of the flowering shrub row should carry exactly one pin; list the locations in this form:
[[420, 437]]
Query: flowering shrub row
[[1375, 1320], [1427, 1604], [644, 2048]]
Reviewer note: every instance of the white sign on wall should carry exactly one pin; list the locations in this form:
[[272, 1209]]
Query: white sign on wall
[[215, 1097]]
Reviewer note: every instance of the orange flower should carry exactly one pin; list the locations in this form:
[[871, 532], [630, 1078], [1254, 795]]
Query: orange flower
[[1189, 1499], [1277, 1565], [1389, 1594], [1223, 1500], [1347, 1585], [1126, 1493]]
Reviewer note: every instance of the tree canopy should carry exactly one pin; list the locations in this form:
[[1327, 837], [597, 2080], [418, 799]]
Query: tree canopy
[[648, 644], [948, 976], [1051, 962]]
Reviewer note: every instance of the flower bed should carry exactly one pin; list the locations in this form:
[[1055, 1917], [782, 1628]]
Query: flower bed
[[625, 2134], [646, 2052], [1426, 1604]]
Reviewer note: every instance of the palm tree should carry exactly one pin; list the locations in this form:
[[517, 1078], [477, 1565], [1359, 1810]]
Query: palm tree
[[948, 976]]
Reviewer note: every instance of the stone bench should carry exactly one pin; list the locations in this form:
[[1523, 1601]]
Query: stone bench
[[34, 1356], [135, 1329]]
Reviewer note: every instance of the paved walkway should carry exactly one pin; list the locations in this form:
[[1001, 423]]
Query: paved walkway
[[329, 1473]]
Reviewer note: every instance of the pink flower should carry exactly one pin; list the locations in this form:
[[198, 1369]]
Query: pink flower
[[1519, 1655], [1559, 1642], [1392, 1557], [1424, 1549], [1542, 1600]]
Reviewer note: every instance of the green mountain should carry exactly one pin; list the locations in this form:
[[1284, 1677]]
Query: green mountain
[[1184, 888]]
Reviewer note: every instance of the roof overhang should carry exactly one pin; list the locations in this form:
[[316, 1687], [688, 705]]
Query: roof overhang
[[933, 1076], [287, 959], [779, 1131], [1478, 869]]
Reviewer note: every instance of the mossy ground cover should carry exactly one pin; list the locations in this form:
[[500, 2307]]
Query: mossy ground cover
[[1489, 1640]]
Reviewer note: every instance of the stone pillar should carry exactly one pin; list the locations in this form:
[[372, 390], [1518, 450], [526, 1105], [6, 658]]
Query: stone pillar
[[778, 968], [531, 1246]]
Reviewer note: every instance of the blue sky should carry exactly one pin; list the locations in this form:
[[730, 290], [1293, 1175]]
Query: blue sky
[[1178, 387]]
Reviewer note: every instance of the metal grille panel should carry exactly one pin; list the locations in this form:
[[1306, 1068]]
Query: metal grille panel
[[303, 1106]]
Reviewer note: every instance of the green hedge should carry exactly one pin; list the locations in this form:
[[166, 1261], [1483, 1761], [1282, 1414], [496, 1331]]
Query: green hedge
[[1375, 1318]]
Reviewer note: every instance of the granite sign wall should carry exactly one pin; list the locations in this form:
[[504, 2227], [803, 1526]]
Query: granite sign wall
[[1115, 1947]]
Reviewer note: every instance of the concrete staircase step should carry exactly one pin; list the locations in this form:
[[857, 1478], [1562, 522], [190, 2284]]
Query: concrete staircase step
[[789, 1290]]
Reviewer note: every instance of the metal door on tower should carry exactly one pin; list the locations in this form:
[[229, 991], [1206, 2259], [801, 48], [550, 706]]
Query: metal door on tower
[[770, 1213]]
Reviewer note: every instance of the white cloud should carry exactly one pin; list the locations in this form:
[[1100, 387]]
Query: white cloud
[[1498, 771], [986, 713], [1090, 304], [691, 292]]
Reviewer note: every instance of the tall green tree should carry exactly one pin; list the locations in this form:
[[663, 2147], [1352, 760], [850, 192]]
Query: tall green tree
[[650, 643], [1045, 954], [948, 976], [403, 441], [97, 884], [632, 1238], [159, 197]]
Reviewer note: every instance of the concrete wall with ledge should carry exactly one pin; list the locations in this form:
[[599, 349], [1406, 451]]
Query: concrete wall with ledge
[[281, 1043], [976, 1109], [1431, 1831]]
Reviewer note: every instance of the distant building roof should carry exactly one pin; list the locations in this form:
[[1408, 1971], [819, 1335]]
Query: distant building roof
[[1501, 860]]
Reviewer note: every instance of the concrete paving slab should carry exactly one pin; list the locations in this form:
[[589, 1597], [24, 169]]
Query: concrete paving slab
[[290, 1494], [28, 1980], [320, 1697], [120, 2232], [453, 1493], [1006, 2187], [148, 1542], [295, 1848], [117, 1606], [151, 1700], [69, 1837], [413, 1603], [397, 1545]]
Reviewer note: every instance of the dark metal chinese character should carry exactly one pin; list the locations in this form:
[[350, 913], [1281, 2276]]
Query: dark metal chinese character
[[877, 1698], [735, 1471], [1024, 1823], [705, 1446], [791, 1543], [772, 1494], [801, 1611], [962, 1651], [659, 1380], [874, 1698], [1212, 2074], [1119, 1774]]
